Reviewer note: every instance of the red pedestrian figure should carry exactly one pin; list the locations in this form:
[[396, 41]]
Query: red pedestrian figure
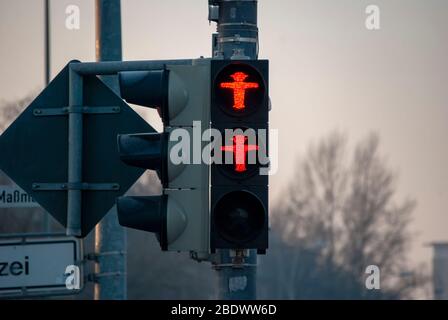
[[240, 148], [239, 88]]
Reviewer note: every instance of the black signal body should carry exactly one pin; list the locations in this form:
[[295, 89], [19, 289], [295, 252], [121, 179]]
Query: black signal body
[[256, 99], [146, 88], [146, 214], [239, 192]]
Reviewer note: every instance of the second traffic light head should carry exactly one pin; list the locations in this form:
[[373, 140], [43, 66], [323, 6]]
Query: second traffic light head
[[145, 150]]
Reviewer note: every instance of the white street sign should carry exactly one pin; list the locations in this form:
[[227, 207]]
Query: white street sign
[[14, 197], [40, 266]]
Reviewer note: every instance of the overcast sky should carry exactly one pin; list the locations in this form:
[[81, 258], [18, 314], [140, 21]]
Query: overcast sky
[[327, 72]]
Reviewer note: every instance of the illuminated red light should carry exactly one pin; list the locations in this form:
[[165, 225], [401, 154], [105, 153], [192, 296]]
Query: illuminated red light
[[239, 88], [240, 148]]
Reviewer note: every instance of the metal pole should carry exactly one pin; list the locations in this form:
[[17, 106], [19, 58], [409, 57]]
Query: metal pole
[[237, 28], [112, 68], [110, 237], [46, 216], [75, 128], [237, 38], [47, 42]]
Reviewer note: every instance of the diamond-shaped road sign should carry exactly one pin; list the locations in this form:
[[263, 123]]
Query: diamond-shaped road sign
[[34, 149]]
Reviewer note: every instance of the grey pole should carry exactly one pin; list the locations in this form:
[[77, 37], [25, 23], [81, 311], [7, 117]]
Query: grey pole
[[110, 237], [46, 215], [237, 38], [75, 130], [47, 42]]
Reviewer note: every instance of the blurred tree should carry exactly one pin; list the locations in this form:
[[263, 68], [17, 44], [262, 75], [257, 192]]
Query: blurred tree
[[340, 216]]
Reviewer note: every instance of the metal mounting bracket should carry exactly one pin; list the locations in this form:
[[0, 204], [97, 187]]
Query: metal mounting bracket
[[83, 109], [76, 186], [95, 277]]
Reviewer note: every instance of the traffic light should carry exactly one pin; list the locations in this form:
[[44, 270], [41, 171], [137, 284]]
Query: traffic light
[[180, 215], [239, 183], [204, 206]]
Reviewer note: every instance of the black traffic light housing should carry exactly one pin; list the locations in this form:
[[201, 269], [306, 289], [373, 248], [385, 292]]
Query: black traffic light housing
[[256, 99], [147, 151], [239, 192], [146, 88], [146, 214]]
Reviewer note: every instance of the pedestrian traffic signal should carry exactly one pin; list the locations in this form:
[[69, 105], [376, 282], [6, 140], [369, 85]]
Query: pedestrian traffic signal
[[194, 213], [239, 91], [239, 185], [239, 88], [180, 215]]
